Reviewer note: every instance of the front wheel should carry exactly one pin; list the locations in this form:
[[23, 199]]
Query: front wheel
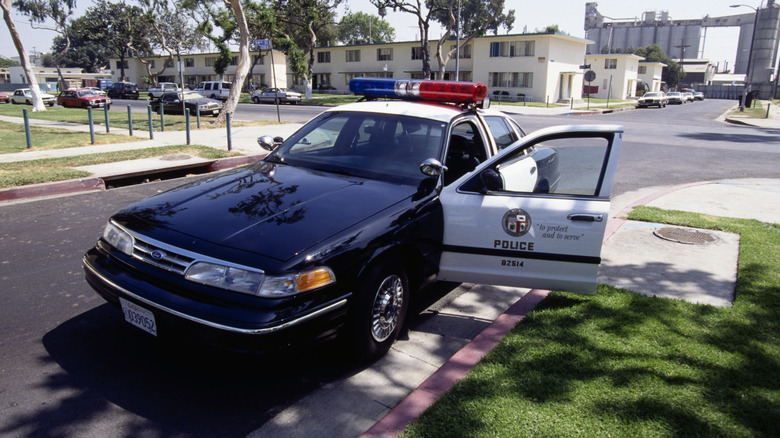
[[256, 99], [379, 310]]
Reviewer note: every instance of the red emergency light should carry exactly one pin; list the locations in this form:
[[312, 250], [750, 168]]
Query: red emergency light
[[432, 91]]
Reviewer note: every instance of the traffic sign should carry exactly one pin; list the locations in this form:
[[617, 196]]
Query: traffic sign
[[262, 44], [585, 66], [590, 75]]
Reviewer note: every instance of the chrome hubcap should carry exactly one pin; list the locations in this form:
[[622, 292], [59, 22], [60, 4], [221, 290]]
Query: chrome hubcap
[[387, 302]]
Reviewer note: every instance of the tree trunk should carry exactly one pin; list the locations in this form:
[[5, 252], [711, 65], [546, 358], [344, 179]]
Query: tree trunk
[[243, 61], [34, 88]]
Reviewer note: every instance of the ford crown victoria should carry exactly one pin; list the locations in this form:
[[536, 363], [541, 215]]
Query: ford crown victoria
[[348, 219]]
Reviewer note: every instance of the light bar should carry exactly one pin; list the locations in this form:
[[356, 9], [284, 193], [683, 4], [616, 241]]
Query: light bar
[[433, 91]]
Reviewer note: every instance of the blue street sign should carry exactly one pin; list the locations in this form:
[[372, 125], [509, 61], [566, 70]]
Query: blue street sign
[[262, 44]]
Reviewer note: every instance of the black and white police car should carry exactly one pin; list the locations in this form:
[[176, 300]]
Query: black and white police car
[[350, 217]]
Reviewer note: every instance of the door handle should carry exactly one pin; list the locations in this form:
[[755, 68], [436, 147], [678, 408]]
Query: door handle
[[585, 217]]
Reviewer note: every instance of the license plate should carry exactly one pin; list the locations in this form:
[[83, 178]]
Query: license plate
[[139, 317]]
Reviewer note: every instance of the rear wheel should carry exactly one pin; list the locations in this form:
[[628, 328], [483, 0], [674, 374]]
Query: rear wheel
[[379, 310]]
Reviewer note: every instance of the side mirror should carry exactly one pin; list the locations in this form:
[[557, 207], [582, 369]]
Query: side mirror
[[432, 167], [492, 180], [267, 142]]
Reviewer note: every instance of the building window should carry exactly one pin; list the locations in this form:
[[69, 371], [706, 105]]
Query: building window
[[323, 57], [610, 64], [258, 60], [417, 53], [121, 64], [152, 63], [512, 80], [234, 60], [465, 51], [168, 63], [384, 54], [189, 62], [353, 55], [210, 61], [512, 48], [642, 70], [416, 76]]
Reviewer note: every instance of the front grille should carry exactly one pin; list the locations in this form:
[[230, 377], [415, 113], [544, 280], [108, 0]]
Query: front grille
[[165, 258]]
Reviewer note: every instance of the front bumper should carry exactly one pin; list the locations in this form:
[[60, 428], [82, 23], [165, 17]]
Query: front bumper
[[215, 323]]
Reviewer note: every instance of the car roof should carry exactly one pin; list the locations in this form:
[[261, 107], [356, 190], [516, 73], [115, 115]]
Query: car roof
[[426, 110]]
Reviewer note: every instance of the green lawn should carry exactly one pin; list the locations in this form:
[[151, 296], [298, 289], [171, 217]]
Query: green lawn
[[58, 169], [621, 364]]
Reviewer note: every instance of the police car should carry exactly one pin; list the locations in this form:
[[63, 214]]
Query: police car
[[348, 219]]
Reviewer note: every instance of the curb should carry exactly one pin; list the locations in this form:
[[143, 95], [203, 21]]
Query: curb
[[98, 184]]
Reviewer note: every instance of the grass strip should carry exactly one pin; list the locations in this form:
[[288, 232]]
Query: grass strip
[[59, 169], [15, 139], [622, 364]]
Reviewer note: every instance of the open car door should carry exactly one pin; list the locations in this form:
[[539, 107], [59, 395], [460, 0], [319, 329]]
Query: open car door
[[535, 214]]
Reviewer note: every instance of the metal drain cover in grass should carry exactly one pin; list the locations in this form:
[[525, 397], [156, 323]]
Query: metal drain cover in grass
[[686, 236]]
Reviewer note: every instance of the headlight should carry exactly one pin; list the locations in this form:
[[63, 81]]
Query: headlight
[[118, 238], [225, 277], [255, 283]]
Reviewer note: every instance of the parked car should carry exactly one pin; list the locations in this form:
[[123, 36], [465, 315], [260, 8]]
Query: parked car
[[97, 91], [5, 97], [688, 96], [350, 218], [123, 90], [698, 95], [214, 89], [83, 98], [676, 97], [162, 88], [276, 95], [24, 96], [172, 103], [654, 98]]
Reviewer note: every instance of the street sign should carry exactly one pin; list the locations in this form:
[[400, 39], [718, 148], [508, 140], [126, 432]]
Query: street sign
[[262, 44], [590, 75], [584, 66]]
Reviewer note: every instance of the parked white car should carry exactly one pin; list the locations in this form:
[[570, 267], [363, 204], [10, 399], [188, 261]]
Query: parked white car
[[24, 96], [214, 89], [274, 95]]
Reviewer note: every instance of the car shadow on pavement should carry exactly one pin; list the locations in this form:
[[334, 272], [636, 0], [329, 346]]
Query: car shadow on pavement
[[169, 387], [771, 137]]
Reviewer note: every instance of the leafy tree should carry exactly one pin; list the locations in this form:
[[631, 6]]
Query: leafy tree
[[672, 74], [300, 26], [5, 62], [361, 28], [477, 18], [424, 12], [553, 28], [87, 49]]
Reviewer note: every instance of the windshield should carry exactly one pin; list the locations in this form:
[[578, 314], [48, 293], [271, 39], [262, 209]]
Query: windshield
[[378, 146]]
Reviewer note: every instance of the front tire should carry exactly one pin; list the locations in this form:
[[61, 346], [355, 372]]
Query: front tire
[[256, 99], [379, 310]]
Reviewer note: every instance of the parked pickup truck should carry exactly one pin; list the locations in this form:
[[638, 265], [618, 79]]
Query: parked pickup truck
[[161, 88]]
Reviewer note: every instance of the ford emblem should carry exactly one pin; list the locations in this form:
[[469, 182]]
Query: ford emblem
[[158, 255]]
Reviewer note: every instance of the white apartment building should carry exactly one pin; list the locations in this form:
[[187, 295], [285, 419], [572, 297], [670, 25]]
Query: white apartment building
[[200, 67], [540, 67], [536, 66], [617, 75], [651, 74]]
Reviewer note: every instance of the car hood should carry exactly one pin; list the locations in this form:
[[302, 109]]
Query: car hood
[[273, 210]]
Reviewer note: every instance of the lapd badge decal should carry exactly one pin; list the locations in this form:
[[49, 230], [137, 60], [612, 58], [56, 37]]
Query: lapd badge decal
[[516, 222]]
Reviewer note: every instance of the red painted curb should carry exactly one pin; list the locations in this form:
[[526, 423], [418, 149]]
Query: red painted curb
[[441, 381], [53, 188]]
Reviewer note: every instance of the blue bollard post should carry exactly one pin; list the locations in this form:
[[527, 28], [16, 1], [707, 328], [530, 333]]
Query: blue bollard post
[[187, 123], [151, 125], [198, 114], [230, 141], [130, 120], [162, 118], [27, 128], [91, 125], [105, 110]]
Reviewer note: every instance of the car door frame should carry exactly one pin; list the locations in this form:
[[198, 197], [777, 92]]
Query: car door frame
[[479, 248]]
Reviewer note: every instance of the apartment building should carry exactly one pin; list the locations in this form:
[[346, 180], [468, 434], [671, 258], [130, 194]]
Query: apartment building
[[617, 75]]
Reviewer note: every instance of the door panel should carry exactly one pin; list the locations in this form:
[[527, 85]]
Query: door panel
[[546, 237]]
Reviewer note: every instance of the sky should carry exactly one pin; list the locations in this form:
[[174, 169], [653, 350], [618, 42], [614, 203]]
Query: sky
[[569, 15]]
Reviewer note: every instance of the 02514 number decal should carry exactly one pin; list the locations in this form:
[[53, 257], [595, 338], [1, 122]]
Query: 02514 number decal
[[512, 263]]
